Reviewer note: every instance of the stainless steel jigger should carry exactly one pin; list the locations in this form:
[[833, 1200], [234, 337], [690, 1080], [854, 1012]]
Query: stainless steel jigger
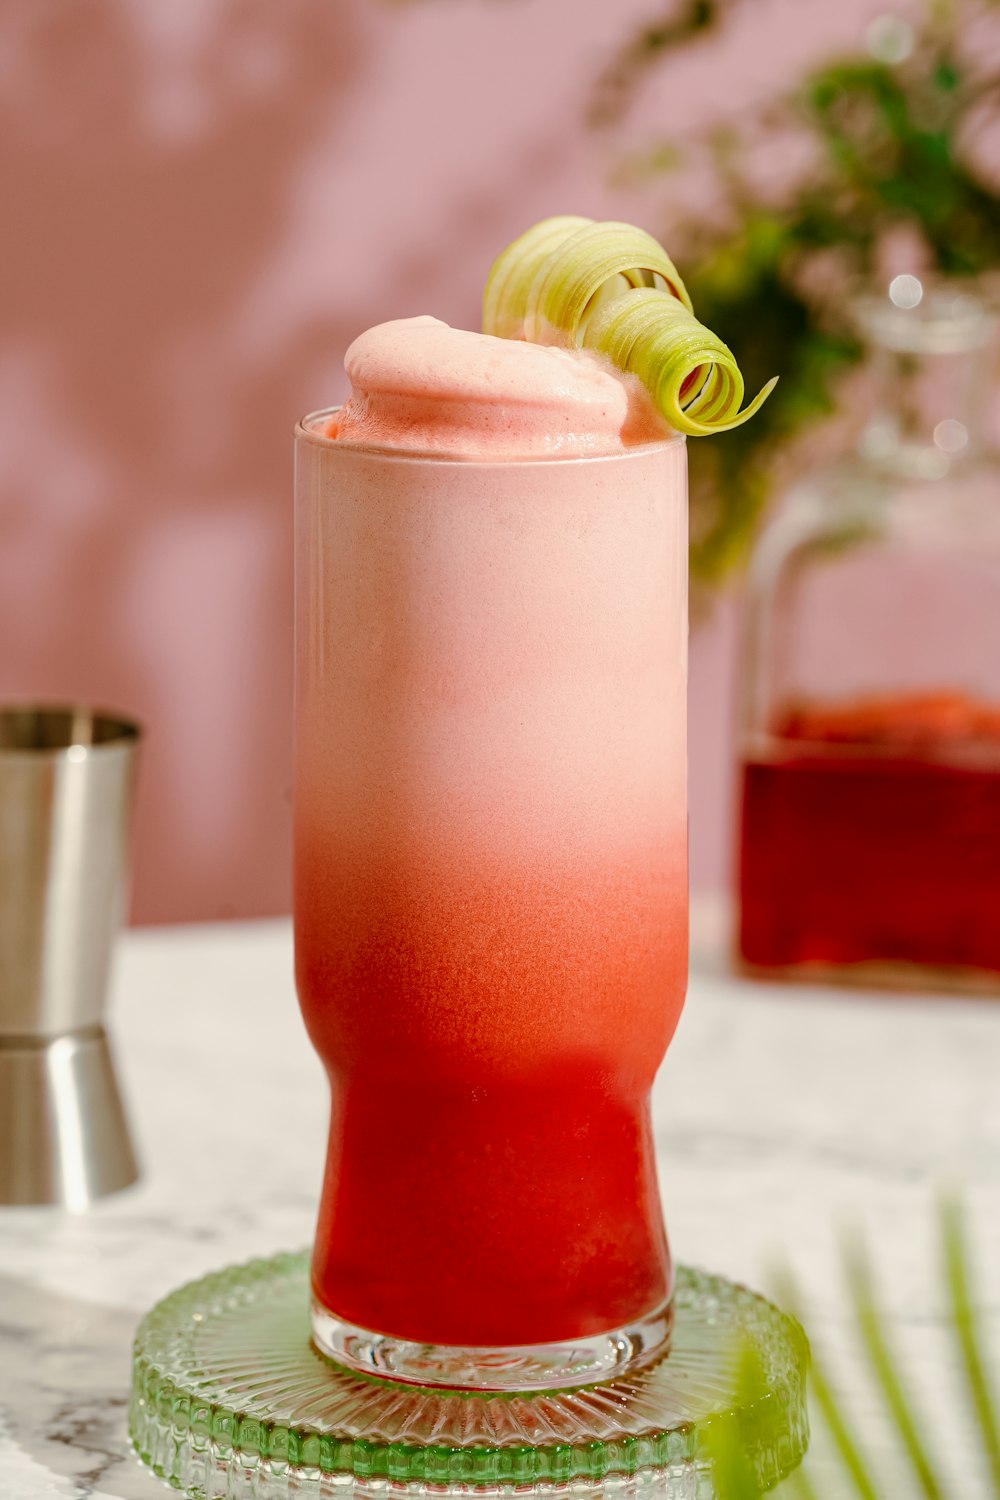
[[66, 778]]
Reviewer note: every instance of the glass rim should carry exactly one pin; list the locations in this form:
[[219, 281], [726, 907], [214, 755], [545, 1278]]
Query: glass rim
[[306, 431], [51, 730]]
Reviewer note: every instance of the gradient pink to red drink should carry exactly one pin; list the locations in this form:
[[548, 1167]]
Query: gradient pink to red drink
[[491, 893]]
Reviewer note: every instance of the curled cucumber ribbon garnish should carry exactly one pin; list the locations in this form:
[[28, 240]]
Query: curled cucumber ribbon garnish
[[613, 289]]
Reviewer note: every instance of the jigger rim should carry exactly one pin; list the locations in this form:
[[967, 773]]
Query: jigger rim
[[64, 730]]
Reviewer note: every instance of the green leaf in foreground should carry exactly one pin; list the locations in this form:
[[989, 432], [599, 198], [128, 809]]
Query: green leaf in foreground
[[733, 1476], [845, 1443], [967, 1334], [884, 1370]]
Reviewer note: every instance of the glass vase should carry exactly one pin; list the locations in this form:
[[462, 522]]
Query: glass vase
[[870, 719]]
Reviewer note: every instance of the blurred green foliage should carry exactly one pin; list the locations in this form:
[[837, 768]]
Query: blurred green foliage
[[918, 1443], [894, 138]]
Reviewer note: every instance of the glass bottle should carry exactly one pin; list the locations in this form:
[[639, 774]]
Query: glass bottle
[[870, 717]]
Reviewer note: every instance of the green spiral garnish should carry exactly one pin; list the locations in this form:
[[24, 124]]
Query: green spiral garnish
[[613, 289], [505, 299]]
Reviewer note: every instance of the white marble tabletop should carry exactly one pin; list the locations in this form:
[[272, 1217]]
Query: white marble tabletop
[[781, 1115]]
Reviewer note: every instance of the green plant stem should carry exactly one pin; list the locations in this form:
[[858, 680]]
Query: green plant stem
[[884, 1369], [843, 1439], [964, 1324], [837, 1425]]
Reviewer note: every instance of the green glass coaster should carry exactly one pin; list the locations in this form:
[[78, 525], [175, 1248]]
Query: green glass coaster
[[230, 1399]]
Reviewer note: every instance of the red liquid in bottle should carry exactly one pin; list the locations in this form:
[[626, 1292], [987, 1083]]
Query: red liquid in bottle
[[871, 834]]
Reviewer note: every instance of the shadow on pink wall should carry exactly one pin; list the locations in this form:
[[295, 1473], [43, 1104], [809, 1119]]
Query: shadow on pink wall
[[152, 158], [204, 202], [146, 422]]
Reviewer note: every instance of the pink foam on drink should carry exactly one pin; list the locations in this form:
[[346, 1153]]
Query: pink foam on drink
[[422, 386]]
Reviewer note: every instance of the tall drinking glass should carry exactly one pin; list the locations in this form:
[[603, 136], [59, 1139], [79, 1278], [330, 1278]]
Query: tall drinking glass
[[490, 900]]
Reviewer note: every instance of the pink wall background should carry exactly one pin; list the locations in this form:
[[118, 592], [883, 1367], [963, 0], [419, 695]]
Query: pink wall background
[[204, 201]]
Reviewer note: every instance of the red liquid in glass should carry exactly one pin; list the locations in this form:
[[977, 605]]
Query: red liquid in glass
[[872, 834], [491, 1173], [490, 883]]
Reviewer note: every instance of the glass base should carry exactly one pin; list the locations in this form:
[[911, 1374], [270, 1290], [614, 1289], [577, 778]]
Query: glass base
[[232, 1401], [586, 1361]]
